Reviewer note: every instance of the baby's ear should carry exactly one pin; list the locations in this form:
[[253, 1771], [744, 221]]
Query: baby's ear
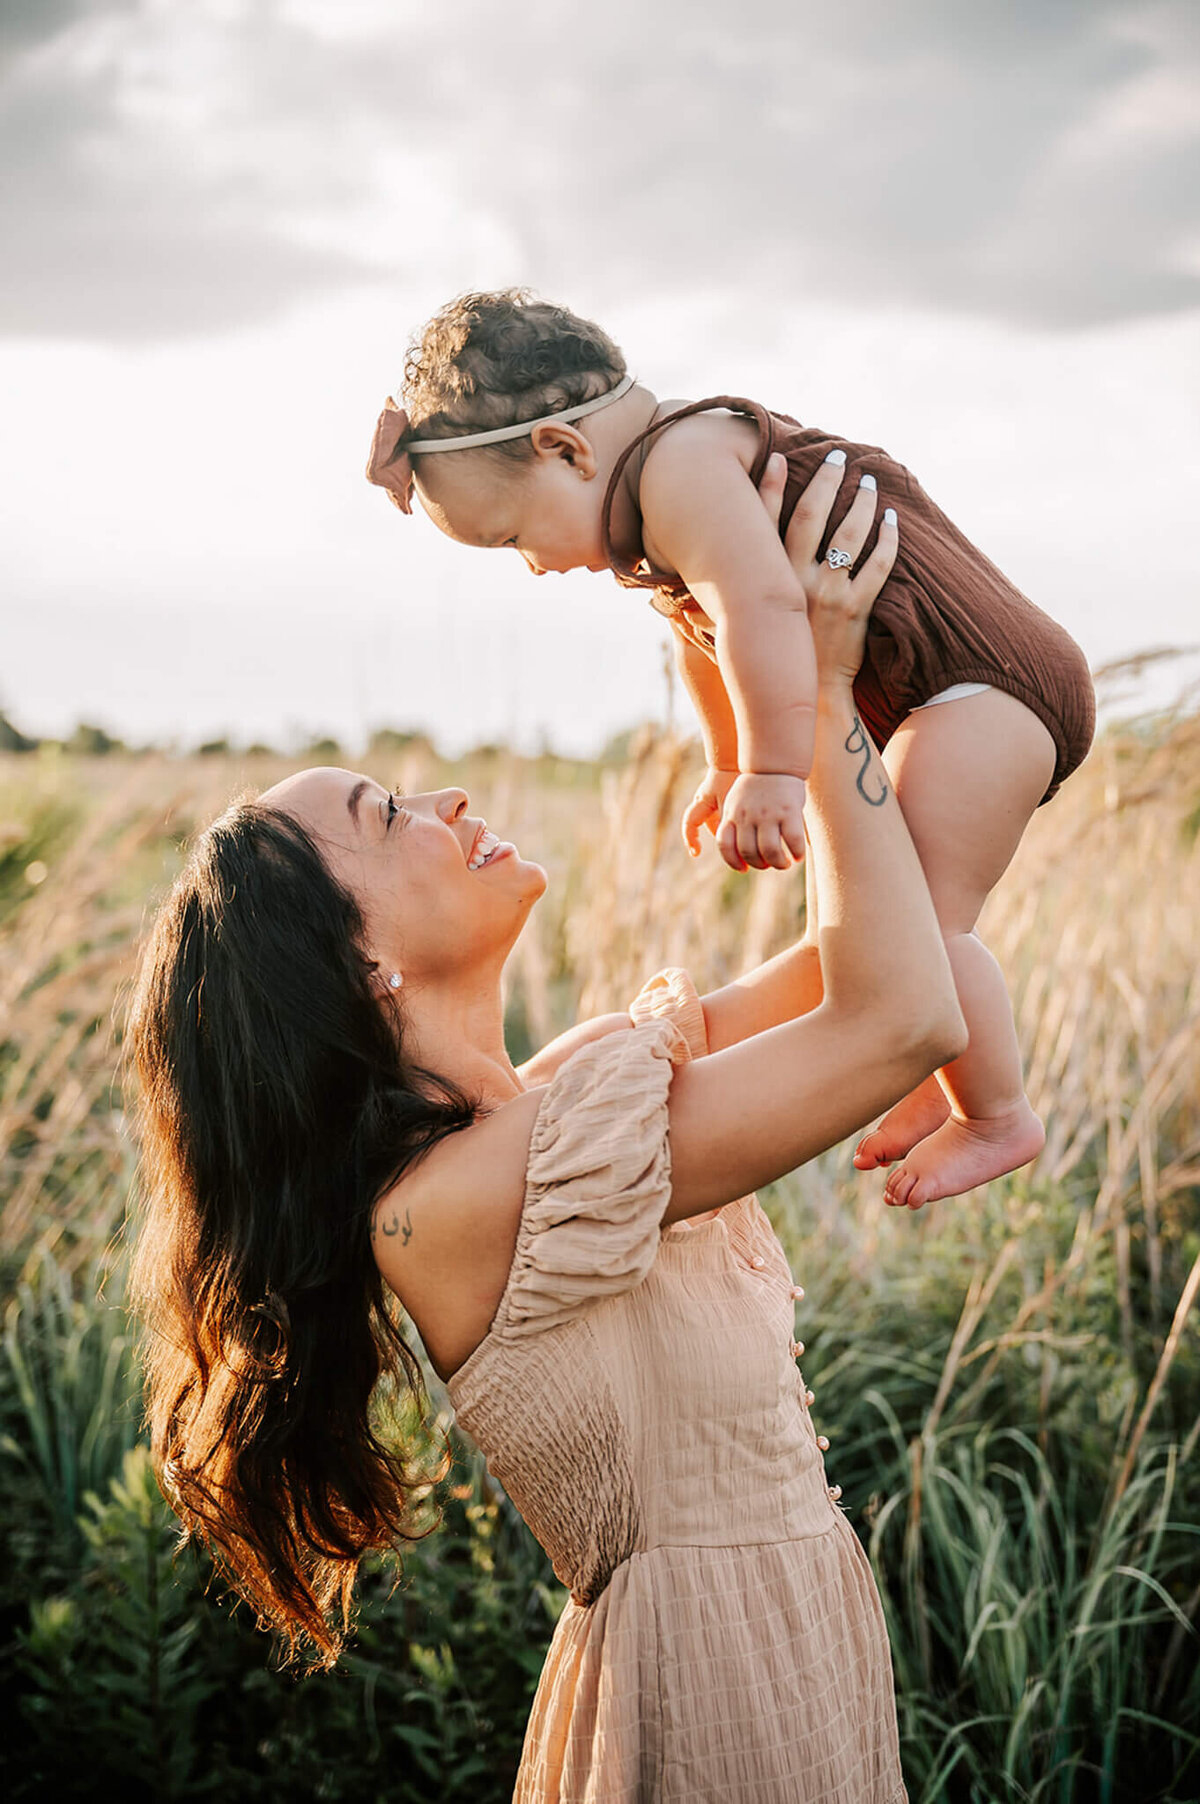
[[556, 440]]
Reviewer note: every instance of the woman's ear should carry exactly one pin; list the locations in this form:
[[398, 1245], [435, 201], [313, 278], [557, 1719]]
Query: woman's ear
[[553, 439], [385, 981]]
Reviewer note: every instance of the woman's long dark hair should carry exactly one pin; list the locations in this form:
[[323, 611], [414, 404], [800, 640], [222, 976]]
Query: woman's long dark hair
[[276, 1107]]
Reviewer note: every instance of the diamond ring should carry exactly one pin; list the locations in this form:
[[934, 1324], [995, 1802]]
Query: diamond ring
[[838, 560]]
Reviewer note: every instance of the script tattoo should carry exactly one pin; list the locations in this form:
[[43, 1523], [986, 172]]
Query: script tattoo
[[857, 743], [392, 1226]]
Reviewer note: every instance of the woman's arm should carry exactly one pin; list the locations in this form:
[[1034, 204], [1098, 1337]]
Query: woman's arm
[[749, 1114], [545, 1062], [888, 1013]]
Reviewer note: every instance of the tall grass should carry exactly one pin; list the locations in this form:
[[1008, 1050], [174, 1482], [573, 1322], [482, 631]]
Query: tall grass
[[1011, 1381]]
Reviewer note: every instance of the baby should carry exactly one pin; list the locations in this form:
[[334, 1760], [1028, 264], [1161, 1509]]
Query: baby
[[980, 703]]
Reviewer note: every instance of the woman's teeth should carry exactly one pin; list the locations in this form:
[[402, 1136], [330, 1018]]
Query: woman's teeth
[[485, 846]]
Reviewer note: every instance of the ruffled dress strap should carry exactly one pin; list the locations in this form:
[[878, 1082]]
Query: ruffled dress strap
[[672, 996], [597, 1181]]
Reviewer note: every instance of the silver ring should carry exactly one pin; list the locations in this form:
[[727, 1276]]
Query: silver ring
[[838, 560]]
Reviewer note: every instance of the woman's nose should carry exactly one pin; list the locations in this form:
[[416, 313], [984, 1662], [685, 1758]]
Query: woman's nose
[[451, 803]]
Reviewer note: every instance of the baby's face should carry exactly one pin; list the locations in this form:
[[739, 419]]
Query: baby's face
[[548, 509]]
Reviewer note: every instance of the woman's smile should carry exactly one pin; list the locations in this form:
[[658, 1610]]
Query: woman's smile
[[487, 849]]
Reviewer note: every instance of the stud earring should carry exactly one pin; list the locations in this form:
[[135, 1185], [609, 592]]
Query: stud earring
[[395, 980]]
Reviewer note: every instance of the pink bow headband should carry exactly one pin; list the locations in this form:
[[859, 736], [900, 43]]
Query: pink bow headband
[[390, 463]]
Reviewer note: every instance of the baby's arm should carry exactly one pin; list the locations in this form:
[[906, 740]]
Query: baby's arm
[[703, 517], [706, 686]]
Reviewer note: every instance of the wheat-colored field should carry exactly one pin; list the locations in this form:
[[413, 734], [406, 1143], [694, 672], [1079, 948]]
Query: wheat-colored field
[[1097, 925], [1056, 1309]]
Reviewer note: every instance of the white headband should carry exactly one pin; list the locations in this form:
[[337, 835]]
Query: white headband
[[425, 445]]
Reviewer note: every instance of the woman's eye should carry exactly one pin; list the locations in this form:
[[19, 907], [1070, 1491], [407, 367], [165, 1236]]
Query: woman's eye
[[392, 809]]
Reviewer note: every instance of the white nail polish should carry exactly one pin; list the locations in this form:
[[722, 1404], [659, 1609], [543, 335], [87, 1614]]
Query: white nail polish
[[836, 457], [889, 516], [866, 482]]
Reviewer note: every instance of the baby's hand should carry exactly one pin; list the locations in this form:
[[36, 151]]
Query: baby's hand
[[704, 809], [763, 822]]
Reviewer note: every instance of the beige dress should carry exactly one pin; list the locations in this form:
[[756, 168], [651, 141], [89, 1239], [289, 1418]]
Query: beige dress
[[638, 1397]]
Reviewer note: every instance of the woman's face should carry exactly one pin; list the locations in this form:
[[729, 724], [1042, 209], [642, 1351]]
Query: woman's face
[[439, 892]]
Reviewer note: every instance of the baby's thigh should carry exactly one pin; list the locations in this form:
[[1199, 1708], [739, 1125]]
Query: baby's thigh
[[968, 775]]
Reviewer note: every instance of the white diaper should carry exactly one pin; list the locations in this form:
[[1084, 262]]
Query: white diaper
[[953, 694]]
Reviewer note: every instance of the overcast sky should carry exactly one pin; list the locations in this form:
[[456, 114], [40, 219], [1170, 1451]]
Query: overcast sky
[[968, 231]]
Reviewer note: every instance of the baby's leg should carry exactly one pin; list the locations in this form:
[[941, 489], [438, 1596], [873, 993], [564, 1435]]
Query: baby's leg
[[968, 775]]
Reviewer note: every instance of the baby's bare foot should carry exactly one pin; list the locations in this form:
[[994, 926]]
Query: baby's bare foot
[[960, 1154], [914, 1117]]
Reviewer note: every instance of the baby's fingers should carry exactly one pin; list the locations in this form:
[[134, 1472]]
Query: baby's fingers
[[727, 845], [793, 839], [699, 813], [771, 854]]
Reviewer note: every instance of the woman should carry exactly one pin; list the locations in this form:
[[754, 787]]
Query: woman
[[330, 1114]]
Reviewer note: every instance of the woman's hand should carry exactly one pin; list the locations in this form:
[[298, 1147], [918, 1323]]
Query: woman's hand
[[839, 605]]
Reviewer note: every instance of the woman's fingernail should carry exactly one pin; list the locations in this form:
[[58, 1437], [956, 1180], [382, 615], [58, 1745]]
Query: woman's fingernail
[[889, 516], [866, 482], [836, 457]]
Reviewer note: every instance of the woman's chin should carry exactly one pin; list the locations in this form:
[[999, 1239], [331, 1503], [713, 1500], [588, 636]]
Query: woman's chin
[[507, 868], [538, 881]]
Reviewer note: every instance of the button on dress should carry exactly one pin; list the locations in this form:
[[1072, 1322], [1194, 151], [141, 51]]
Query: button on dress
[[638, 1397]]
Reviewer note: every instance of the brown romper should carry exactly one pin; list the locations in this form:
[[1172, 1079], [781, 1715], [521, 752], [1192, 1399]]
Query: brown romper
[[945, 615]]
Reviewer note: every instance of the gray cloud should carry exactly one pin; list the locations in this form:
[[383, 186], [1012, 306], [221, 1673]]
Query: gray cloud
[[171, 170], [121, 222]]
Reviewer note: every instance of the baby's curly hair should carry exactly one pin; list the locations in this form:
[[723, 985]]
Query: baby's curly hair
[[497, 359]]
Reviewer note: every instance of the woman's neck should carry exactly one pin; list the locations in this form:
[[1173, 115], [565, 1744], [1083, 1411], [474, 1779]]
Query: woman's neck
[[456, 1029]]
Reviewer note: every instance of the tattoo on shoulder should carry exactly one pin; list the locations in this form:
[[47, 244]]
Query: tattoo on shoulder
[[869, 783], [391, 1225]]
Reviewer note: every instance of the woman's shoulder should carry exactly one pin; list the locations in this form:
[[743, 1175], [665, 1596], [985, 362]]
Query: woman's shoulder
[[443, 1234], [589, 1146]]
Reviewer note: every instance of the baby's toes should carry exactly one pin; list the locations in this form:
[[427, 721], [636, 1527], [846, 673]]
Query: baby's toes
[[872, 1151], [899, 1188]]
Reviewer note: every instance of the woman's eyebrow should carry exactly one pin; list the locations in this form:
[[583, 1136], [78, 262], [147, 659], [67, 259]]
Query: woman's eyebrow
[[355, 796]]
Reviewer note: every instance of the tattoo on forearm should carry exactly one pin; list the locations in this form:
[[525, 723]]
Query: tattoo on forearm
[[870, 785], [393, 1226]]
